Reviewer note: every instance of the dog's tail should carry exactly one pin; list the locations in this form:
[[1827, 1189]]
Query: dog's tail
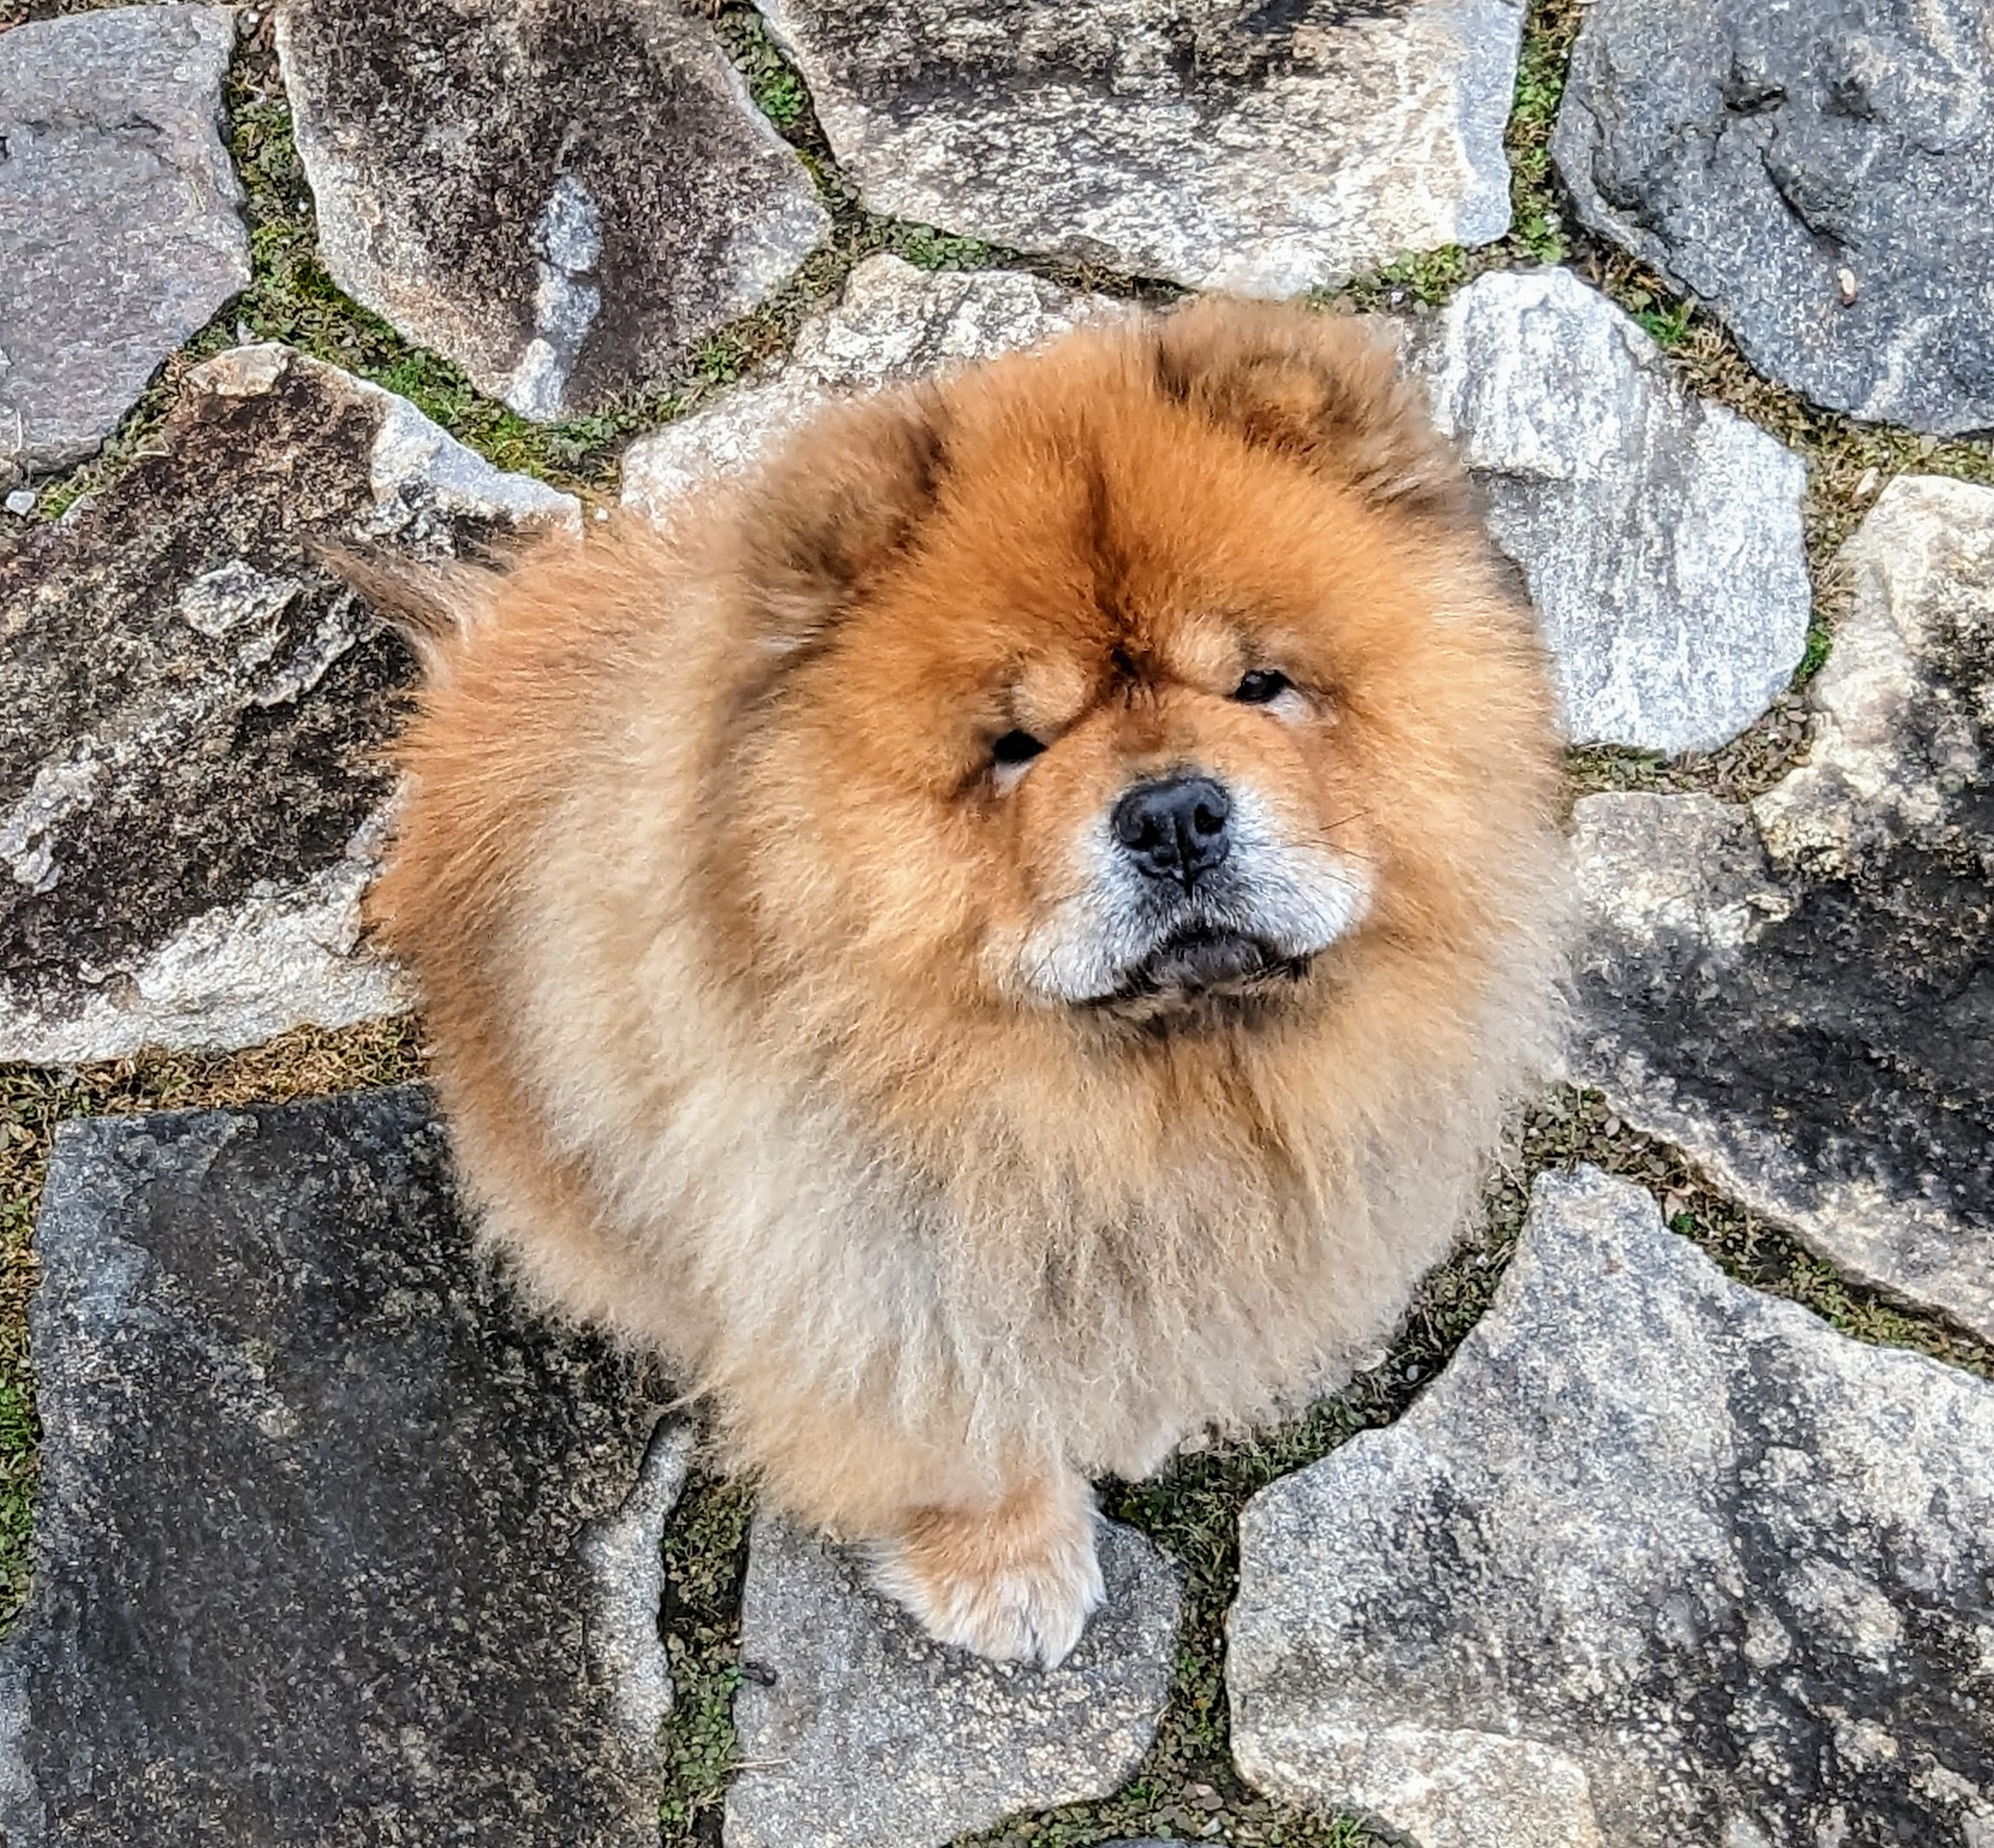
[[430, 606]]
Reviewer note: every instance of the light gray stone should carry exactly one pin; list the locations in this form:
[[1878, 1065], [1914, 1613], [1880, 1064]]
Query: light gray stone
[[855, 1729], [20, 502], [1662, 537], [1818, 174], [562, 195], [336, 1544], [1261, 149], [191, 711], [1798, 992], [119, 234], [1657, 1560], [893, 323]]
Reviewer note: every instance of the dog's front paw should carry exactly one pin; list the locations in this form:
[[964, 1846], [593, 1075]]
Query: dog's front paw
[[1015, 1581]]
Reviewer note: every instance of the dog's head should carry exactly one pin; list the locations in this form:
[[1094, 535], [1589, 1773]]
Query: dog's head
[[1137, 679]]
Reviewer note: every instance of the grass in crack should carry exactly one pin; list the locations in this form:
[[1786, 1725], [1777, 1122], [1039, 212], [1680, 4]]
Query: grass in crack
[[700, 1620], [1849, 463], [35, 1101], [1186, 1787], [1537, 215], [1747, 766], [1749, 1248], [1539, 227]]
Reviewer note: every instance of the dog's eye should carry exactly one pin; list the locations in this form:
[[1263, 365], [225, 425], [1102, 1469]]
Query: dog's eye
[[1262, 685], [1015, 747]]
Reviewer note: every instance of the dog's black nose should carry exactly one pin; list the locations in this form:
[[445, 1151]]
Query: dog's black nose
[[1178, 829]]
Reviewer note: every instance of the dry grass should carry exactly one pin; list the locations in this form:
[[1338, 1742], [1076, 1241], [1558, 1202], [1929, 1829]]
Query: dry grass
[[1186, 1786]]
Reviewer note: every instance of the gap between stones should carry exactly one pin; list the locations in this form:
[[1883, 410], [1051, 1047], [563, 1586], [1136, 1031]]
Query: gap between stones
[[1187, 1784]]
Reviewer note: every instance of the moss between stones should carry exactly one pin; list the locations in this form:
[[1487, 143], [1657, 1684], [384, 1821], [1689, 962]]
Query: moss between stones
[[291, 298], [705, 1561], [1186, 1787], [1849, 463]]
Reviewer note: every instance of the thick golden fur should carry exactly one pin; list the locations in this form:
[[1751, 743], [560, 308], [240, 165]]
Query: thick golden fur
[[726, 927]]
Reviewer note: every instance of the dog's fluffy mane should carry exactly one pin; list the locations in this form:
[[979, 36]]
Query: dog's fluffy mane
[[845, 1195]]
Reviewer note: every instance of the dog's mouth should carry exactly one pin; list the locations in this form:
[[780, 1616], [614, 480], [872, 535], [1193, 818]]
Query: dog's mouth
[[1202, 964]]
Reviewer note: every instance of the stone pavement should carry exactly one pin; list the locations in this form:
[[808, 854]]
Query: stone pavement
[[329, 1529], [337, 1543]]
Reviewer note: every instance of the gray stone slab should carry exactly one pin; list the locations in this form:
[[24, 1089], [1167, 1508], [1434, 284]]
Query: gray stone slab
[[119, 233], [192, 708], [335, 1544], [1819, 175], [1262, 150], [1655, 1561], [562, 195], [854, 1729], [893, 323], [1801, 993], [1662, 537]]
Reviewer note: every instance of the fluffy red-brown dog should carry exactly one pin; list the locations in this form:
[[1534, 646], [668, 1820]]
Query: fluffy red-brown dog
[[1005, 940]]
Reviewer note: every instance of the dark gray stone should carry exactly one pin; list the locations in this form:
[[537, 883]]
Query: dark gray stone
[[855, 1729], [1661, 536], [1818, 173], [119, 230], [1655, 1561], [1258, 148], [329, 1529], [190, 710], [1800, 993], [562, 195]]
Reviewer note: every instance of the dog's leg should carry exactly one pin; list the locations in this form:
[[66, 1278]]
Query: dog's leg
[[1014, 1580], [993, 1557]]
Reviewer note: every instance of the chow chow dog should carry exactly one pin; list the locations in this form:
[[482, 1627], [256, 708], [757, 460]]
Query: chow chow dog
[[1003, 939]]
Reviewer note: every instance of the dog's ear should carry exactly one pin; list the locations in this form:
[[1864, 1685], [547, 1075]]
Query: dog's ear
[[1324, 389], [839, 508]]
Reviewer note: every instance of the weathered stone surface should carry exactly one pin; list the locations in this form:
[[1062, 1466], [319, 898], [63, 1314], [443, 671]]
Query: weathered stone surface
[[331, 1535], [1819, 176], [1262, 150], [1655, 1561], [1662, 537], [855, 1729], [1801, 993], [190, 710], [894, 323], [562, 195], [119, 230]]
